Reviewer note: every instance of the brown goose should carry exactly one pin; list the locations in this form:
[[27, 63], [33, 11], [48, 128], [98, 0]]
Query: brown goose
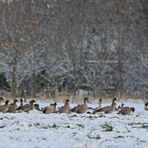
[[81, 108], [107, 108], [99, 107], [146, 105], [4, 108], [13, 106], [1, 99], [126, 110], [111, 108], [50, 109], [28, 107], [65, 108]]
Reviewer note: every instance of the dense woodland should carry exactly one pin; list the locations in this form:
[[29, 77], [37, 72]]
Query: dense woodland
[[53, 46]]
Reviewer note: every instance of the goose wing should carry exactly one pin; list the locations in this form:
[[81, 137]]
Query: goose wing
[[48, 109], [26, 108], [60, 110], [76, 108], [103, 109]]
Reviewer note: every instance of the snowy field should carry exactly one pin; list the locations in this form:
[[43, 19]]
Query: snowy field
[[38, 130]]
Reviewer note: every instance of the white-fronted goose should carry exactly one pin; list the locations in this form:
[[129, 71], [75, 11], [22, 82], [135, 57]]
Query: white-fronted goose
[[28, 107], [4, 108], [81, 108], [126, 110], [50, 109], [111, 108], [13, 106], [107, 108], [99, 107], [65, 108]]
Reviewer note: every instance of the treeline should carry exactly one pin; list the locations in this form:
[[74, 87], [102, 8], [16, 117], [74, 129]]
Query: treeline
[[99, 46]]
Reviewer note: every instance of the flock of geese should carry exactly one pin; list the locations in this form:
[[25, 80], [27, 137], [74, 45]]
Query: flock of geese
[[52, 108]]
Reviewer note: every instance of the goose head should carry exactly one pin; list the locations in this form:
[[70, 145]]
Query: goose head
[[15, 100], [55, 104], [86, 100], [7, 102], [122, 105], [21, 100], [32, 101], [67, 101], [133, 109], [113, 101]]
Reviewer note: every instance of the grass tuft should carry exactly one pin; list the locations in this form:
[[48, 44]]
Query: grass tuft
[[94, 137], [107, 127]]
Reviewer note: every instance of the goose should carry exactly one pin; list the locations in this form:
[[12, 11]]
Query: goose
[[28, 107], [13, 106], [65, 108], [99, 107], [4, 108], [126, 110], [81, 108], [50, 109], [107, 108], [111, 108]]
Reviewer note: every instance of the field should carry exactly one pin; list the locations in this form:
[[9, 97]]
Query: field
[[37, 130]]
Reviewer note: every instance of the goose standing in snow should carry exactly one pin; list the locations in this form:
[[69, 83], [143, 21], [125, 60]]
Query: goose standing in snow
[[50, 109], [13, 106], [126, 110], [81, 108], [99, 107], [28, 107], [65, 108], [108, 109], [4, 108], [111, 108]]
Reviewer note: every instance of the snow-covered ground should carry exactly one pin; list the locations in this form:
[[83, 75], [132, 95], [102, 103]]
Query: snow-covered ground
[[38, 130]]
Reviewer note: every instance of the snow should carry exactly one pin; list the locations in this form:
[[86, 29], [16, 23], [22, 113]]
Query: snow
[[35, 129]]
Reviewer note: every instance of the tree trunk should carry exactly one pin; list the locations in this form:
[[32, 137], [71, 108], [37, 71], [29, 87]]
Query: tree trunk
[[14, 83]]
